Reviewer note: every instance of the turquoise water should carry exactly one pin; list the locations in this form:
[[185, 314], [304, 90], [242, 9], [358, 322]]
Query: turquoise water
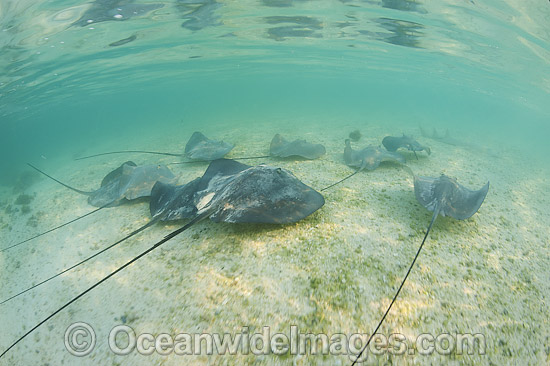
[[81, 78], [456, 65]]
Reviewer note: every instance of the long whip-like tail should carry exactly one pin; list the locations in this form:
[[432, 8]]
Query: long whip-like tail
[[341, 180], [128, 152], [252, 157], [144, 253], [208, 161], [63, 184], [436, 212], [82, 261], [55, 228]]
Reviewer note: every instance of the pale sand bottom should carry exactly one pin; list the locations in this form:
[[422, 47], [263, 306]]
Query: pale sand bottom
[[334, 272]]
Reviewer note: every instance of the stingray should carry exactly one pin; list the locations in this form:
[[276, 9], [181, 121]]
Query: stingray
[[168, 202], [443, 196], [198, 148], [171, 202], [228, 192], [233, 192], [369, 158], [393, 143], [125, 183], [355, 135], [450, 140], [446, 138], [281, 148], [259, 194]]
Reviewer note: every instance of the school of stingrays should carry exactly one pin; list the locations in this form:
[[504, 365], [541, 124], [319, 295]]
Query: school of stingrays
[[233, 192]]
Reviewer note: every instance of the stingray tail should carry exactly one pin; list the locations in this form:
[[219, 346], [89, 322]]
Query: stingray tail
[[53, 229], [408, 170], [144, 253], [209, 161], [252, 157], [55, 180], [197, 218], [82, 261], [436, 212], [127, 152], [341, 180]]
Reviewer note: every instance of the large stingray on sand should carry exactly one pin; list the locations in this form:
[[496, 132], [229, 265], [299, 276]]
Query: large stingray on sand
[[282, 148], [228, 192], [233, 192], [392, 143], [368, 158], [198, 148], [443, 196], [125, 183]]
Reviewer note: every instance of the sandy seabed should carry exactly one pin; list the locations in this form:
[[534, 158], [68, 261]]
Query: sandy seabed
[[332, 273]]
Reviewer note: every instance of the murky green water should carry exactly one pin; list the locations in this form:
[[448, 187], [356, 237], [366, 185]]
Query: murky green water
[[81, 78]]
